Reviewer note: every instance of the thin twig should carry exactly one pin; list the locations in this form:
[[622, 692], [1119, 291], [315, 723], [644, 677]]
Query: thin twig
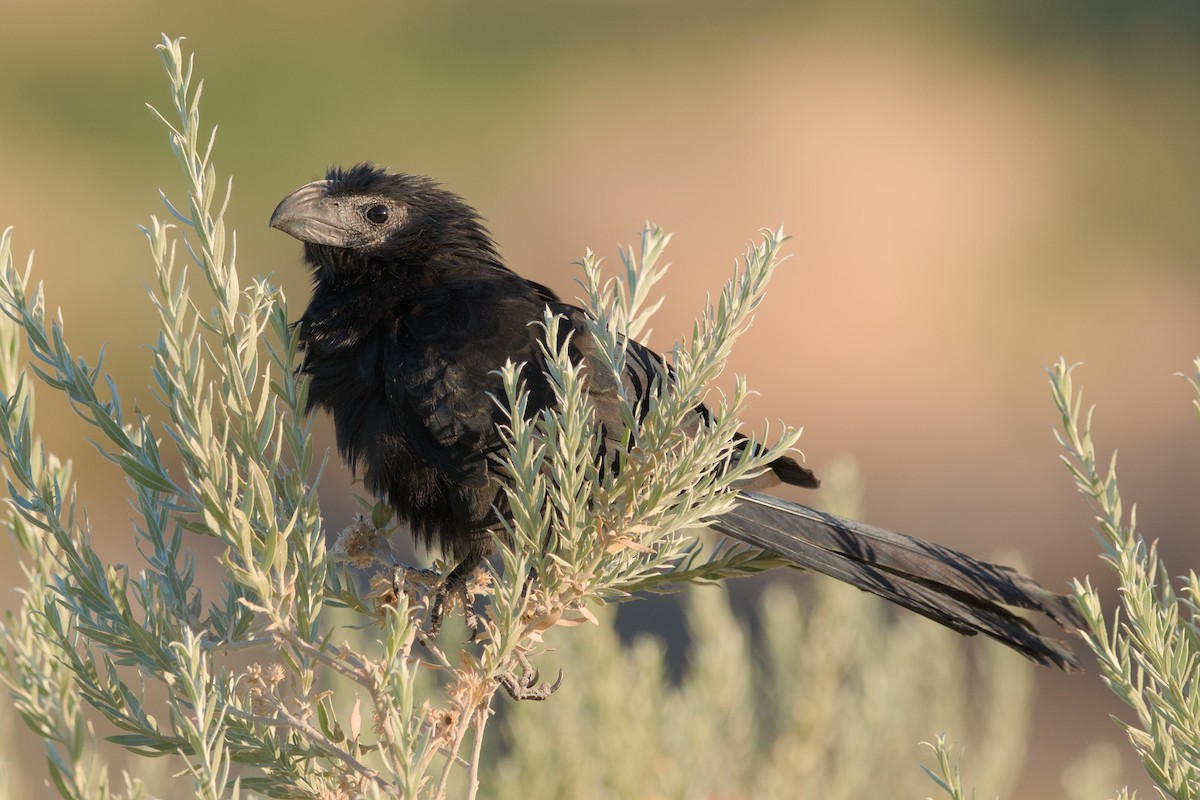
[[481, 718], [314, 736]]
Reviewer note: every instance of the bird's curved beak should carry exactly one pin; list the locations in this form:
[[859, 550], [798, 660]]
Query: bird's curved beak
[[308, 215]]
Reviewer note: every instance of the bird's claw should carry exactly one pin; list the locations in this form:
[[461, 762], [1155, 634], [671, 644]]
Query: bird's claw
[[442, 589], [437, 611], [526, 686]]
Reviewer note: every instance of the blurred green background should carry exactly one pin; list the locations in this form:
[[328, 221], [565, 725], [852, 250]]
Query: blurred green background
[[975, 189]]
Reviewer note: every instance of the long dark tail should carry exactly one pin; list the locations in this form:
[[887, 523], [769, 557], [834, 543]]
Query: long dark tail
[[945, 585]]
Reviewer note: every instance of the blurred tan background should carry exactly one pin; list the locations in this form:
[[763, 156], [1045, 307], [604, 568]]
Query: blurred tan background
[[974, 190]]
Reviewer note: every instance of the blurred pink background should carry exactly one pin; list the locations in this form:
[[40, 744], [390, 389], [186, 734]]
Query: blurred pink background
[[973, 191]]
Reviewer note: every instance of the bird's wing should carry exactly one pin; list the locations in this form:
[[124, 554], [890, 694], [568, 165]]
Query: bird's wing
[[441, 377], [643, 368]]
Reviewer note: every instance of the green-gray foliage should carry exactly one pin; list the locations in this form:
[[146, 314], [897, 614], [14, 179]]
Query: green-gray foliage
[[1149, 647], [1150, 653]]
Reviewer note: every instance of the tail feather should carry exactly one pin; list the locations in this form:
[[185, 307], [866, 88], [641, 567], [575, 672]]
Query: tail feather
[[947, 586]]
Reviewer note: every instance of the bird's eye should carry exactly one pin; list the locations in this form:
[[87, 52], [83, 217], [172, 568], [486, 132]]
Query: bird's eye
[[377, 214]]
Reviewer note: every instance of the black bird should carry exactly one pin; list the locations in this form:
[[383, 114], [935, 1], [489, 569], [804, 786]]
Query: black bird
[[413, 311]]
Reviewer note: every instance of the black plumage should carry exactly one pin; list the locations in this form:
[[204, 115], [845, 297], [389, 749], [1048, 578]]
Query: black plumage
[[413, 312]]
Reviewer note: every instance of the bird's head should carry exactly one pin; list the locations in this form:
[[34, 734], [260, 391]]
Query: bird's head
[[365, 215]]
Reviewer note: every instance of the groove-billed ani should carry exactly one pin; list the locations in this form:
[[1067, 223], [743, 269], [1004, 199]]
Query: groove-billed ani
[[413, 312]]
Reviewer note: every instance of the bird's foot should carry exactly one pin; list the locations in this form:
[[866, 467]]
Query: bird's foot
[[459, 585], [447, 594], [422, 585], [525, 686], [413, 582]]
